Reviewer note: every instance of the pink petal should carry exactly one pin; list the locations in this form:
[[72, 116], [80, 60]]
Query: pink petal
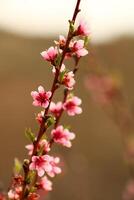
[[68, 144], [57, 160], [36, 103], [57, 170], [29, 146], [49, 93], [48, 167], [32, 166], [70, 113], [41, 172], [77, 100], [78, 110], [82, 52], [45, 105], [71, 136], [59, 105], [34, 94], [79, 44], [60, 128], [51, 174], [41, 89], [45, 55], [52, 106], [34, 158]]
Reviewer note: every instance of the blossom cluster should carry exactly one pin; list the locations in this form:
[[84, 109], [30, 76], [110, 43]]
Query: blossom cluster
[[103, 88], [41, 167]]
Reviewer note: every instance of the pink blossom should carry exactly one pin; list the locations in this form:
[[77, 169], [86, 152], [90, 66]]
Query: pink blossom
[[15, 194], [50, 54], [78, 48], [103, 88], [30, 148], [68, 80], [44, 164], [53, 161], [46, 184], [40, 116], [41, 98], [56, 108], [40, 164], [72, 106], [82, 29], [43, 144], [62, 136], [61, 42]]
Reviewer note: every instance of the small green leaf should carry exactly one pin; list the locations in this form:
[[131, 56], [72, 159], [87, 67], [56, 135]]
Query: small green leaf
[[17, 166], [50, 121], [86, 40], [31, 176], [30, 135], [61, 77], [72, 28], [58, 59], [33, 189]]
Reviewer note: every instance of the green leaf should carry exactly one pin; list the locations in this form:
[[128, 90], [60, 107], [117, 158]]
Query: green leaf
[[50, 121], [17, 166], [31, 177], [58, 59], [33, 189], [61, 77], [72, 28], [86, 40], [30, 135]]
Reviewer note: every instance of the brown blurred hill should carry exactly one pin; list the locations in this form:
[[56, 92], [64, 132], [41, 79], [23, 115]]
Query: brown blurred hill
[[94, 167]]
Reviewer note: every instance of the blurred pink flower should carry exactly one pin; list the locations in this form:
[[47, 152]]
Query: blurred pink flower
[[50, 54], [46, 184], [40, 116], [2, 196], [41, 98], [56, 108], [62, 136], [129, 191], [82, 29], [103, 88], [53, 161], [68, 80], [72, 106], [46, 164], [78, 48], [61, 42], [15, 194], [40, 164]]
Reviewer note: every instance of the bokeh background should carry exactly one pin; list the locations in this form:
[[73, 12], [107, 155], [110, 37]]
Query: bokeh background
[[94, 169]]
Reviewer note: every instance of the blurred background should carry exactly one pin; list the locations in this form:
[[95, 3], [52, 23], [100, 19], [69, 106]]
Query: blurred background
[[94, 168]]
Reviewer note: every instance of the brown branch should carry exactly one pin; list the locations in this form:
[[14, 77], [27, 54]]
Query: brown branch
[[43, 128]]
